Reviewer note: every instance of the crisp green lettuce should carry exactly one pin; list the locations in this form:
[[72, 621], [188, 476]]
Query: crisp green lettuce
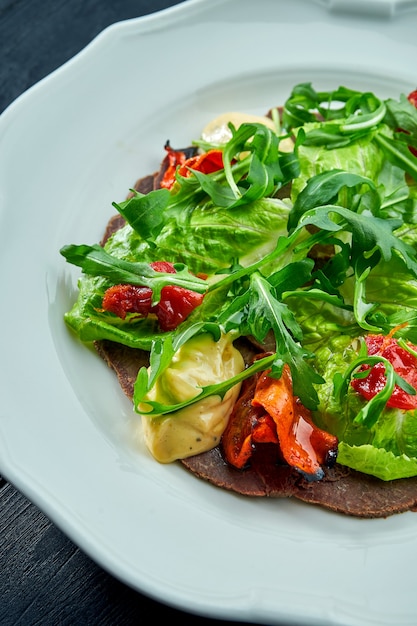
[[211, 237], [90, 322], [388, 449], [214, 237], [358, 158], [377, 461]]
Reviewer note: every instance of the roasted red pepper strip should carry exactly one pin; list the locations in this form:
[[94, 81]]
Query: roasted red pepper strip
[[247, 425], [174, 158], [175, 305], [207, 163], [303, 445], [404, 363], [268, 412]]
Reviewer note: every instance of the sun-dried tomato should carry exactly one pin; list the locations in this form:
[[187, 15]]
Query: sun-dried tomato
[[207, 163], [175, 304], [163, 266], [404, 363], [124, 299]]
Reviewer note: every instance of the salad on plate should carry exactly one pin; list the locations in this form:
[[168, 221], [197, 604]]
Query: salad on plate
[[257, 298]]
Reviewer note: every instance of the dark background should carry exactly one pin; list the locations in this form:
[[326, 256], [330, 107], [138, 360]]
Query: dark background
[[44, 578]]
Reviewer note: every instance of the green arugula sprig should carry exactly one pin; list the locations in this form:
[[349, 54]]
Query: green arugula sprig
[[359, 113], [153, 408], [261, 312], [354, 115], [370, 412], [253, 169], [325, 187], [95, 261]]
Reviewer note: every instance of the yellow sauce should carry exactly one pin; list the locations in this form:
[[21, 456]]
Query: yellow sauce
[[197, 428]]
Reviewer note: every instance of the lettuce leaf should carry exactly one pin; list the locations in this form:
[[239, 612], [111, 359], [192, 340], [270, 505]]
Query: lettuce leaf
[[357, 158], [388, 449], [213, 237], [376, 461]]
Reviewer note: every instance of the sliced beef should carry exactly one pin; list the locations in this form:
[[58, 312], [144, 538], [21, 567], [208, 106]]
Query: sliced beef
[[341, 490], [126, 362]]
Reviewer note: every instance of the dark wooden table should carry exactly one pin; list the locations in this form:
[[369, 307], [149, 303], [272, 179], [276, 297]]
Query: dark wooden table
[[44, 578]]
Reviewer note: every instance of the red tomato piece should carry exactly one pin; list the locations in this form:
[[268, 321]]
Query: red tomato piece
[[175, 305], [404, 363], [123, 299]]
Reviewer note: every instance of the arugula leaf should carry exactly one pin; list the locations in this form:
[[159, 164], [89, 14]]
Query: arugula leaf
[[258, 311], [145, 212], [402, 114], [360, 111], [323, 189], [369, 233], [398, 153], [372, 410], [95, 261], [157, 409]]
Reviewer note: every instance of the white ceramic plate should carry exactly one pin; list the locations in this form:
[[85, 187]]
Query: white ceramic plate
[[68, 438]]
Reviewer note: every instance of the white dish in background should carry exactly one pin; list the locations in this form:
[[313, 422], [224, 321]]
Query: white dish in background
[[68, 438]]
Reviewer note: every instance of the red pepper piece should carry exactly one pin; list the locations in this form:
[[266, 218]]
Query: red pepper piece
[[247, 425], [123, 299], [404, 363], [174, 158], [175, 305], [268, 412], [303, 445], [207, 163]]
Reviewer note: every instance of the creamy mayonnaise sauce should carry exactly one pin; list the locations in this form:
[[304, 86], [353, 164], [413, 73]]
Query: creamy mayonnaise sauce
[[197, 428]]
